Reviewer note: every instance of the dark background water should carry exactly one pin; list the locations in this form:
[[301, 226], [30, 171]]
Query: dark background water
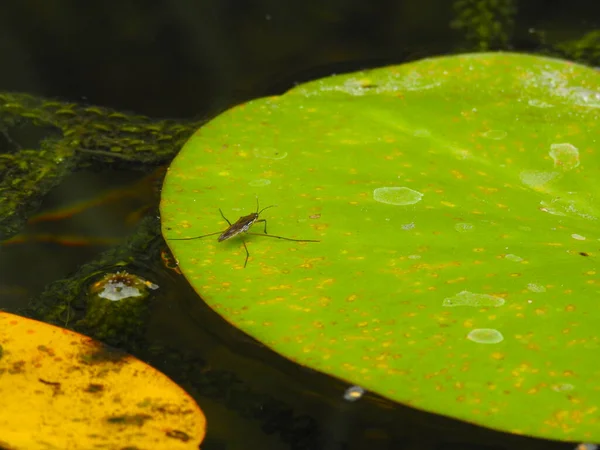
[[187, 58], [191, 59]]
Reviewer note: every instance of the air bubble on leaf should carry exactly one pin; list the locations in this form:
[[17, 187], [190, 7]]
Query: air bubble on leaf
[[561, 206], [578, 237], [552, 80], [464, 227], [353, 393], [422, 132], [539, 103], [565, 156], [563, 387], [355, 86], [415, 81], [461, 153], [582, 96], [558, 85], [269, 153], [537, 178], [485, 336], [259, 182], [466, 298], [536, 287], [412, 81], [495, 134], [512, 257], [546, 207], [397, 196]]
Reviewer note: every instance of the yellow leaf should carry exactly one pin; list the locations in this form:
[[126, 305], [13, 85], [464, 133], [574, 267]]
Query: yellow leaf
[[61, 390]]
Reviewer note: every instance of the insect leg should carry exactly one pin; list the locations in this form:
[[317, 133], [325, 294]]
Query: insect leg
[[223, 216], [247, 253], [197, 237], [284, 238], [265, 221]]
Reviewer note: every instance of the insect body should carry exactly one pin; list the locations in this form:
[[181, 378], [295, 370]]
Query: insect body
[[243, 225]]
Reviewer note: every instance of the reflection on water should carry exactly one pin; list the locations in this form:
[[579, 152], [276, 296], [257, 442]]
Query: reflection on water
[[88, 213]]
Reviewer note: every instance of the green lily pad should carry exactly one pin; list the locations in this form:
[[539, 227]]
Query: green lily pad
[[455, 202]]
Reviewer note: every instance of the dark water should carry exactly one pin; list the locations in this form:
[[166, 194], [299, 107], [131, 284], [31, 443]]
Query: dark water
[[193, 59]]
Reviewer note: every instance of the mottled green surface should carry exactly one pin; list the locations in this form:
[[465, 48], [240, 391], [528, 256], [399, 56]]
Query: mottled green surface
[[455, 203]]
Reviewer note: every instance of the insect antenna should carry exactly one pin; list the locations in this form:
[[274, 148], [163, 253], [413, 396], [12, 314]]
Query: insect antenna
[[258, 213]]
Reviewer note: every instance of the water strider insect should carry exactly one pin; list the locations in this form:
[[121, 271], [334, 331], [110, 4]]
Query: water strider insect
[[242, 225]]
